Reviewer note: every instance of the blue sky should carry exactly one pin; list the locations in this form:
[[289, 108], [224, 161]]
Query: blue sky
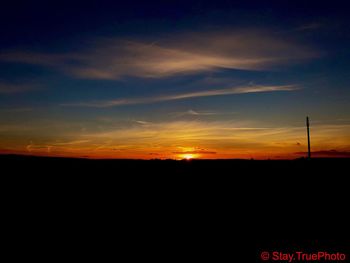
[[87, 74]]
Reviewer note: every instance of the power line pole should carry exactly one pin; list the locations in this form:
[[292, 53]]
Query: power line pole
[[308, 137]]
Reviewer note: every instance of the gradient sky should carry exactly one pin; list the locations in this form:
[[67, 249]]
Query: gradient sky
[[148, 79]]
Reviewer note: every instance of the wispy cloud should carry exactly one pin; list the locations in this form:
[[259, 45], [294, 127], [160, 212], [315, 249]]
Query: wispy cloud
[[196, 113], [143, 122], [29, 57], [196, 152], [70, 142], [49, 146], [112, 58], [16, 109], [309, 26], [10, 88], [181, 96]]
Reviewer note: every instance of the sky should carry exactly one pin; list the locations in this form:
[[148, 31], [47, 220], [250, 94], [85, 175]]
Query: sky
[[174, 79]]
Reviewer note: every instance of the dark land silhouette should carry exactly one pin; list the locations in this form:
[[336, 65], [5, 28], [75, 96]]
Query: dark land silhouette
[[219, 167], [198, 209]]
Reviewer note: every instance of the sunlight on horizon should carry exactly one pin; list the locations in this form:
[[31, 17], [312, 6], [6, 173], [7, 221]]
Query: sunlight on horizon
[[189, 156]]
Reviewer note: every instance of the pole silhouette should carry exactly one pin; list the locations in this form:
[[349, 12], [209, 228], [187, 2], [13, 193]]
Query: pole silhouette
[[308, 137]]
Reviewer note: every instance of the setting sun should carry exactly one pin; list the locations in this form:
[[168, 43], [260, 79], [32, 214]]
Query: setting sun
[[188, 156]]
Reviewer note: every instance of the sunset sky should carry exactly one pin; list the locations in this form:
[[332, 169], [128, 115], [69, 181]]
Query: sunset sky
[[182, 79]]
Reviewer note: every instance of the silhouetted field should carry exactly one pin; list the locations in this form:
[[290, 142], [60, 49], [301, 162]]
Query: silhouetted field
[[210, 209], [310, 175]]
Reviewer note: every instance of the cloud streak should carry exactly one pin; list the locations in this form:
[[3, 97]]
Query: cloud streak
[[196, 152], [112, 58], [182, 96], [15, 110], [310, 26], [10, 88], [196, 113]]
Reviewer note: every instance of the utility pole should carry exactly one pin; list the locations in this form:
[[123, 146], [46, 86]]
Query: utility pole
[[308, 137]]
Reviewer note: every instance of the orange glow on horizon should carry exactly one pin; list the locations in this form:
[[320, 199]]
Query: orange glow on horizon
[[184, 156], [189, 156], [180, 140]]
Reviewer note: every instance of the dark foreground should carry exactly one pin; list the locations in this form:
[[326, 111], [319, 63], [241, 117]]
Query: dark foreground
[[112, 167], [219, 210]]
